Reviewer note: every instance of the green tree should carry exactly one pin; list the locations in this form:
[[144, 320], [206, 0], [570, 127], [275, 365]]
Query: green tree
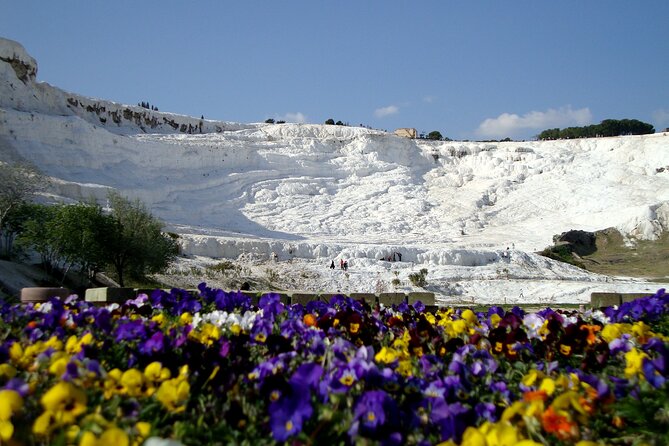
[[37, 235], [330, 121], [608, 127], [18, 184], [66, 236], [14, 224], [80, 232], [136, 244], [434, 135]]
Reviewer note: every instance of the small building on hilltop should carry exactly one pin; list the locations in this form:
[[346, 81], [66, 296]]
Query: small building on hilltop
[[406, 132]]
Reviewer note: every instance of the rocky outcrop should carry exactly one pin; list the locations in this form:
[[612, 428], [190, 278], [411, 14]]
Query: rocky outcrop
[[16, 56], [582, 243], [28, 95]]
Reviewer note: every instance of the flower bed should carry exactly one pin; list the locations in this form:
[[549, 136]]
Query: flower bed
[[215, 369]]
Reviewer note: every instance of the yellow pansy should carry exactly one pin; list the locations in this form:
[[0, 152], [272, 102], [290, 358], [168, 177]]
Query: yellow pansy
[[567, 400], [495, 434], [112, 436], [74, 345], [453, 328], [445, 313], [548, 386], [112, 384], [207, 334], [634, 362], [159, 319], [469, 316], [641, 331], [405, 368], [7, 371], [387, 355], [532, 377], [143, 428], [63, 404], [185, 318], [59, 362], [16, 353], [155, 372], [10, 403], [173, 394], [611, 332], [132, 381], [524, 409], [473, 437], [54, 343], [142, 431]]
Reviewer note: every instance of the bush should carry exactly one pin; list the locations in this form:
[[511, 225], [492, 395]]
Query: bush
[[224, 267], [136, 245], [418, 279], [608, 127], [130, 239], [434, 135], [562, 253]]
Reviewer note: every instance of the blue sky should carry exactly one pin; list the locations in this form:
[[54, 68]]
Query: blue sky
[[469, 69]]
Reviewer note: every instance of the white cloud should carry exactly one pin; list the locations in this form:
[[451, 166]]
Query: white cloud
[[661, 118], [386, 111], [297, 118], [510, 124], [429, 99]]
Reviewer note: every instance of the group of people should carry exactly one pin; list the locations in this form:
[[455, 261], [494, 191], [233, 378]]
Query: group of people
[[394, 257], [507, 254], [343, 264]]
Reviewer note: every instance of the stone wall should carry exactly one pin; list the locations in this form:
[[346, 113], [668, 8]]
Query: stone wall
[[119, 295]]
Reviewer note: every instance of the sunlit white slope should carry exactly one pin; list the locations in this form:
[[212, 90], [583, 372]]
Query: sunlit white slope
[[312, 193]]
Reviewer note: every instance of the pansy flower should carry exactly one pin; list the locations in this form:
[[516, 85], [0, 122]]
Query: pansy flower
[[289, 413], [11, 403], [375, 415]]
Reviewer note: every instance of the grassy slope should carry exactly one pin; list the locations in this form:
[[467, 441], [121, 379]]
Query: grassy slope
[[647, 259]]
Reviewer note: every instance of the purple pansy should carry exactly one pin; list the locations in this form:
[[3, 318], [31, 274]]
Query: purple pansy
[[288, 414]]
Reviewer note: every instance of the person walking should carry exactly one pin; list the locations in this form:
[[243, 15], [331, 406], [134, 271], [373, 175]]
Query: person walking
[[332, 265]]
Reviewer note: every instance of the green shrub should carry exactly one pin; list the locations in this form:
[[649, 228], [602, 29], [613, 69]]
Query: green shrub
[[562, 253], [418, 279], [224, 267]]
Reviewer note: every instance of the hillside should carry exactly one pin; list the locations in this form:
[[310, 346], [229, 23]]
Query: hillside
[[314, 193]]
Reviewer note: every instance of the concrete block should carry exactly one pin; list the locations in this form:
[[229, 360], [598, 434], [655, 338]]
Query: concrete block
[[109, 295], [598, 300], [303, 298], [254, 295], [629, 297], [389, 299], [42, 294], [426, 297], [369, 298], [147, 291], [283, 297]]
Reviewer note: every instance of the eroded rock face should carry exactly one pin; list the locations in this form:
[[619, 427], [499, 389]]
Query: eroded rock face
[[16, 56], [581, 242]]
